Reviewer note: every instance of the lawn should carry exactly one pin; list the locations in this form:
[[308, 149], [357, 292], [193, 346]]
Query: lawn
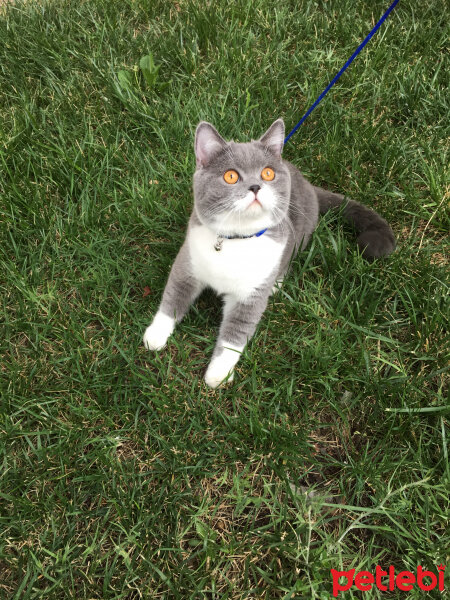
[[123, 476]]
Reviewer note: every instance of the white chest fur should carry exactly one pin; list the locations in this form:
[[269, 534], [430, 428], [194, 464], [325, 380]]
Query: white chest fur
[[239, 267]]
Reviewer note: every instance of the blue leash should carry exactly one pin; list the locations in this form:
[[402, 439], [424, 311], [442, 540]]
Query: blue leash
[[347, 64]]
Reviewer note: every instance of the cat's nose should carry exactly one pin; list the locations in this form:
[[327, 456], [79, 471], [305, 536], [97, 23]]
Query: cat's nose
[[254, 188]]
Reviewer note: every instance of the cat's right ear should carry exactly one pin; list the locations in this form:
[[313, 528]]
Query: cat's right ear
[[273, 139], [208, 143]]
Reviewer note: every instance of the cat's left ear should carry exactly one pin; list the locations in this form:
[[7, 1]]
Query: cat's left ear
[[273, 139], [208, 143]]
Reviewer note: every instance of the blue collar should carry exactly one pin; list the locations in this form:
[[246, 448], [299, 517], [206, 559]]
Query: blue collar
[[220, 238], [243, 237]]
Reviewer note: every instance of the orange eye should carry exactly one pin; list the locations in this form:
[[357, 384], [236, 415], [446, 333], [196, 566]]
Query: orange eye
[[231, 176], [268, 174]]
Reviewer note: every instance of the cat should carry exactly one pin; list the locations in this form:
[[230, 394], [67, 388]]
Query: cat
[[252, 212]]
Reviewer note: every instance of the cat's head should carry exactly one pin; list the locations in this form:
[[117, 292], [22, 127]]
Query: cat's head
[[240, 188]]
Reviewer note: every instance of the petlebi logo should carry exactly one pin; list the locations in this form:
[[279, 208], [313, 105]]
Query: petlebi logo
[[388, 580]]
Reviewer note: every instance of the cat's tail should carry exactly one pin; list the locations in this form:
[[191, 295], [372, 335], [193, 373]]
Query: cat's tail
[[375, 237]]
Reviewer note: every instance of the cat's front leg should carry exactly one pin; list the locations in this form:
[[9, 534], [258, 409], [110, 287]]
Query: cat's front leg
[[181, 290], [240, 319]]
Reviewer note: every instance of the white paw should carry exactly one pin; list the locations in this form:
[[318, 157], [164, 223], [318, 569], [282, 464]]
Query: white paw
[[220, 369], [215, 377], [277, 286], [156, 334]]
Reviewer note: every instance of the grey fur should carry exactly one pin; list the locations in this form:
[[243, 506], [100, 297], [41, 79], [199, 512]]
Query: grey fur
[[294, 218]]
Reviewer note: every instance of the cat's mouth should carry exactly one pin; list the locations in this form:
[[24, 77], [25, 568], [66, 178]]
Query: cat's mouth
[[254, 204]]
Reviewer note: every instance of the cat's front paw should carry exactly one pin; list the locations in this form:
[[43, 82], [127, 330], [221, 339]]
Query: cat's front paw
[[157, 334], [220, 369], [216, 376], [277, 285]]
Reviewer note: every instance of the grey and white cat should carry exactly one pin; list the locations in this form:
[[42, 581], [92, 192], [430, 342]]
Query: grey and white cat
[[252, 212]]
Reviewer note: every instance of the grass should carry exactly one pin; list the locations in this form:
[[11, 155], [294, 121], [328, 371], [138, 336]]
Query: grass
[[123, 476]]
